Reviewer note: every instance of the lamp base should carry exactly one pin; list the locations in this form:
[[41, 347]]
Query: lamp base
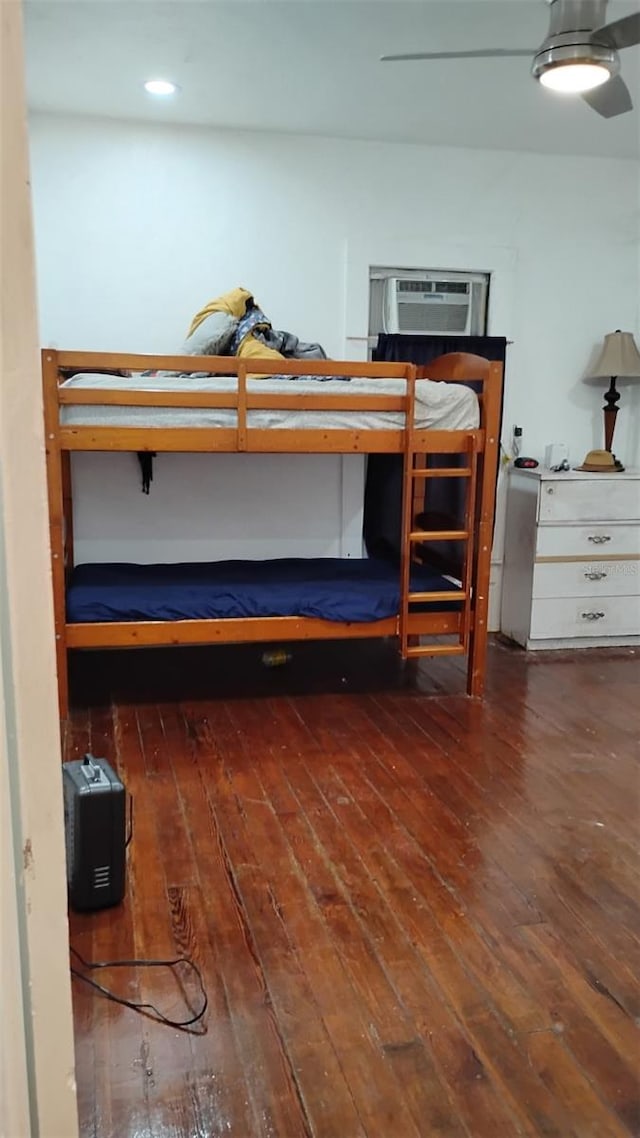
[[610, 412]]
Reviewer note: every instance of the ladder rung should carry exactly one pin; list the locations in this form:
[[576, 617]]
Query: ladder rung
[[442, 472], [439, 535], [436, 650], [449, 595]]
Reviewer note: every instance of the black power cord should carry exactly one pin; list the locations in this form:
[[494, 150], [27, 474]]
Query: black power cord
[[186, 1025]]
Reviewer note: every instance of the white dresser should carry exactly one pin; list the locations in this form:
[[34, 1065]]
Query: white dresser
[[571, 574]]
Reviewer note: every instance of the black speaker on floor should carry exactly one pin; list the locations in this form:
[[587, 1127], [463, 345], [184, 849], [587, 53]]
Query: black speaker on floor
[[95, 832]]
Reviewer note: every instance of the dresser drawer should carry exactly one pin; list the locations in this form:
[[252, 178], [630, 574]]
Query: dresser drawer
[[576, 501], [598, 540], [586, 579], [567, 617]]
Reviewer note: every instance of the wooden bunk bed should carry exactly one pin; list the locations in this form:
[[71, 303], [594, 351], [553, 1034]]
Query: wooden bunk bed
[[451, 619]]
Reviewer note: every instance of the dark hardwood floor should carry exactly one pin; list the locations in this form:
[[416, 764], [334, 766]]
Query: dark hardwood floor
[[415, 915]]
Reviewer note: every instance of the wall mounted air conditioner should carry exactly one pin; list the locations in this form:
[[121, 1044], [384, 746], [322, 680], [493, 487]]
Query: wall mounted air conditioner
[[421, 306]]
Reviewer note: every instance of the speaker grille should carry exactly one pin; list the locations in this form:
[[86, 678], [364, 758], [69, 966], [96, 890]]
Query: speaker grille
[[101, 876]]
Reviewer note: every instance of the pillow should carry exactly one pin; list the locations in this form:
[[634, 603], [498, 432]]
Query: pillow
[[212, 335]]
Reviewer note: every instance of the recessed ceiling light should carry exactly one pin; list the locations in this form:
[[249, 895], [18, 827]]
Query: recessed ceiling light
[[160, 87]]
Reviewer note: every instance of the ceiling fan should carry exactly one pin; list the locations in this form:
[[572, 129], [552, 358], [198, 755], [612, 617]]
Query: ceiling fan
[[579, 54]]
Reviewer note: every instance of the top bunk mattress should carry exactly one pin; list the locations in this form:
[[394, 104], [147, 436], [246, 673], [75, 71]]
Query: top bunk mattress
[[439, 406]]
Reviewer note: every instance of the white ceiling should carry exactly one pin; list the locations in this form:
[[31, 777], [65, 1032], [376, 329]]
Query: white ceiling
[[312, 66]]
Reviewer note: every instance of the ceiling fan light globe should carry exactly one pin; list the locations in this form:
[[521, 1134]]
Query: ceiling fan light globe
[[574, 68], [574, 78]]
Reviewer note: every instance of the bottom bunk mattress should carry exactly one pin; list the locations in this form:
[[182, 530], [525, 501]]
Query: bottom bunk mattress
[[339, 590]]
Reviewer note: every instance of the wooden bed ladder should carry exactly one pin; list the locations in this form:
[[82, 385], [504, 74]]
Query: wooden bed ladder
[[413, 476]]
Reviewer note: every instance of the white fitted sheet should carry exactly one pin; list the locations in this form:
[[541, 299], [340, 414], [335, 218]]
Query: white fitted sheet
[[439, 406]]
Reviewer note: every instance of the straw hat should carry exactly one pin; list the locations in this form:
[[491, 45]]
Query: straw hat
[[601, 462]]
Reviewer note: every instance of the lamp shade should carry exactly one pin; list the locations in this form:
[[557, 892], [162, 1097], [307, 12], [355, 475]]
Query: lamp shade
[[619, 356]]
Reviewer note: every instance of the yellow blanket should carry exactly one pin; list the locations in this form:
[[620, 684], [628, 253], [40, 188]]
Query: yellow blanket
[[234, 303], [250, 348]]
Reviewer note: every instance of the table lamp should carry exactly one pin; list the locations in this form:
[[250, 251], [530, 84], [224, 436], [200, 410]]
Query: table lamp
[[619, 359]]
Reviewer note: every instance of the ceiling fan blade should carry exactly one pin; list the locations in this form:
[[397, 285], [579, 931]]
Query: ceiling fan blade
[[490, 53], [621, 33], [611, 99]]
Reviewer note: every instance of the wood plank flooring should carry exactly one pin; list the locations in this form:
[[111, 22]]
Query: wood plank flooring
[[417, 916]]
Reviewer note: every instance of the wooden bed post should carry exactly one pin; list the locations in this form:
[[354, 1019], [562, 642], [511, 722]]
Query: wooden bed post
[[491, 404], [58, 482], [67, 511]]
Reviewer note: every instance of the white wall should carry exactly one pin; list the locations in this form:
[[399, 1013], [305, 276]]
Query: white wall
[[136, 226]]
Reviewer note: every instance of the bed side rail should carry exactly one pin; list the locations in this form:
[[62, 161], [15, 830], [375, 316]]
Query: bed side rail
[[223, 365], [240, 398]]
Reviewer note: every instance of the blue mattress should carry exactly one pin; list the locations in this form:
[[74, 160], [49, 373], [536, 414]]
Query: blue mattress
[[328, 588]]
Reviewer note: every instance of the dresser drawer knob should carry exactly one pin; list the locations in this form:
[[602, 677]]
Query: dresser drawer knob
[[599, 538], [592, 615], [595, 575]]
